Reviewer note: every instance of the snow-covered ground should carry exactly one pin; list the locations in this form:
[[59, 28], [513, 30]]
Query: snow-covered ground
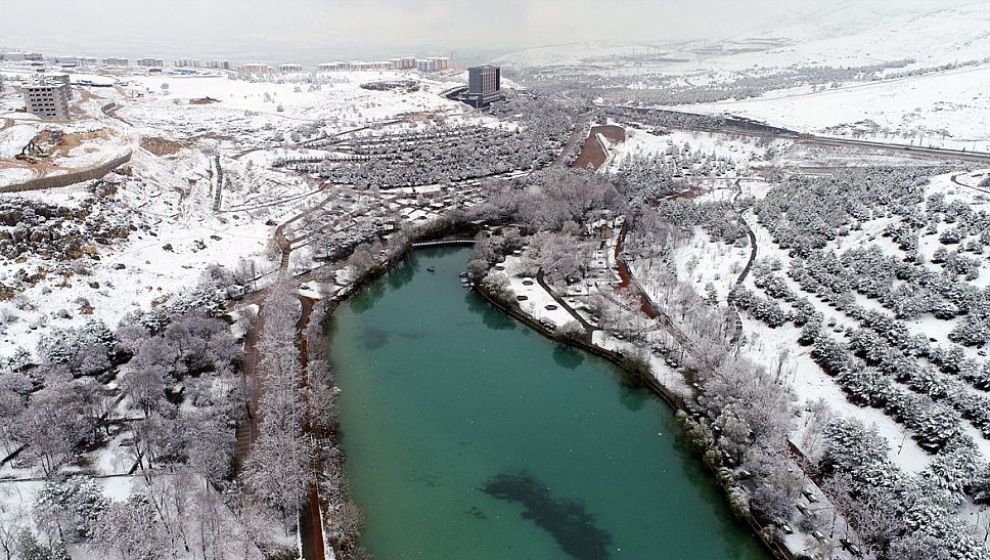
[[945, 110], [191, 106], [743, 152], [702, 263], [843, 33], [167, 199], [532, 298], [924, 80]]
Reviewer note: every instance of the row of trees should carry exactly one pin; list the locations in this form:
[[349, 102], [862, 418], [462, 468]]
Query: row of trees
[[279, 469], [446, 153], [551, 199], [659, 88], [928, 406], [877, 361], [900, 516], [176, 398], [733, 436]]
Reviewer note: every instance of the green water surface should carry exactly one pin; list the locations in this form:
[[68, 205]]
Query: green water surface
[[468, 436]]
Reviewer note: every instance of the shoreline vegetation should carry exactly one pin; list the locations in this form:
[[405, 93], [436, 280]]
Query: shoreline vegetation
[[343, 537], [332, 494], [638, 371]]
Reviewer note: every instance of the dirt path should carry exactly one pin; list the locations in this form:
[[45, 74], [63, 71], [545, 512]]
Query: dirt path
[[593, 154], [310, 518], [651, 310], [646, 304], [110, 110], [247, 432], [571, 141]]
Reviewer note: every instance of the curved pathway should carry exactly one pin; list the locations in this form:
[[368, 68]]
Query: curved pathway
[[955, 179], [647, 306], [541, 280], [572, 140], [110, 110]]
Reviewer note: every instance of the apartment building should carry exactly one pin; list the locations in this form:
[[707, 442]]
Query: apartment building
[[49, 98]]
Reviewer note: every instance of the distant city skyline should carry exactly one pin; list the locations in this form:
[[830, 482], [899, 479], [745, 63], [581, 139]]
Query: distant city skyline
[[314, 31]]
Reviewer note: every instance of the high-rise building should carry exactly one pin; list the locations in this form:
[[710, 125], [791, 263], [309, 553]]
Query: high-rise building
[[484, 85], [150, 62]]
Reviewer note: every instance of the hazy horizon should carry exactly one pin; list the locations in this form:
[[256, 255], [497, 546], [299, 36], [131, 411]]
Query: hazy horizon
[[313, 31], [310, 31]]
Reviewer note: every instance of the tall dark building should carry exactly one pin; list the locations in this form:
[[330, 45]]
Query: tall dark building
[[484, 85]]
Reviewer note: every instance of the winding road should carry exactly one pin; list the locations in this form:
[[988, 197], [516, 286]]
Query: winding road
[[753, 129], [955, 179]]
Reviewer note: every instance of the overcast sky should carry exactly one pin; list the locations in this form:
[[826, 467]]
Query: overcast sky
[[310, 31]]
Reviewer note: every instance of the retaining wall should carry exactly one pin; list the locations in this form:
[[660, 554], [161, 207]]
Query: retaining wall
[[66, 179]]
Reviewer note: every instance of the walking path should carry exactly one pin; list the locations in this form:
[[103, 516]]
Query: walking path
[[310, 517]]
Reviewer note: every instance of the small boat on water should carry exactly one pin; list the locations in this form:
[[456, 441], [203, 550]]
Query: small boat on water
[[431, 269]]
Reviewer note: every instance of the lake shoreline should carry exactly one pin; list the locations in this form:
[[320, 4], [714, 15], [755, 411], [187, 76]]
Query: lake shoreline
[[628, 368], [644, 379]]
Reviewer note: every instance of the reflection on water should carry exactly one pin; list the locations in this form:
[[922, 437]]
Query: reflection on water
[[361, 302], [374, 338], [632, 396], [567, 357], [401, 276], [470, 437], [494, 321], [568, 521]]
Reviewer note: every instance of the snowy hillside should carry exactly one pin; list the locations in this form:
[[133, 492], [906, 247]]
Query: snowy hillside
[[845, 33]]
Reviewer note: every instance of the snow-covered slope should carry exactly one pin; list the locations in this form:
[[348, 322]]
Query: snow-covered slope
[[848, 33]]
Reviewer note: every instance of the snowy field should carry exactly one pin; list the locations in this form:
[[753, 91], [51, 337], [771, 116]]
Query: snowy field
[[943, 110], [167, 199], [924, 79]]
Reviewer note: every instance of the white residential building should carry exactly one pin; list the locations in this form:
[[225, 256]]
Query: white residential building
[[151, 62]]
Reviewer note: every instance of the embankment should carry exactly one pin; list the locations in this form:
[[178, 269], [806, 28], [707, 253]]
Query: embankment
[[67, 179]]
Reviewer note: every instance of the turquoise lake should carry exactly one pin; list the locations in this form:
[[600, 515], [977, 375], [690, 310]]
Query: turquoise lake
[[469, 436]]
